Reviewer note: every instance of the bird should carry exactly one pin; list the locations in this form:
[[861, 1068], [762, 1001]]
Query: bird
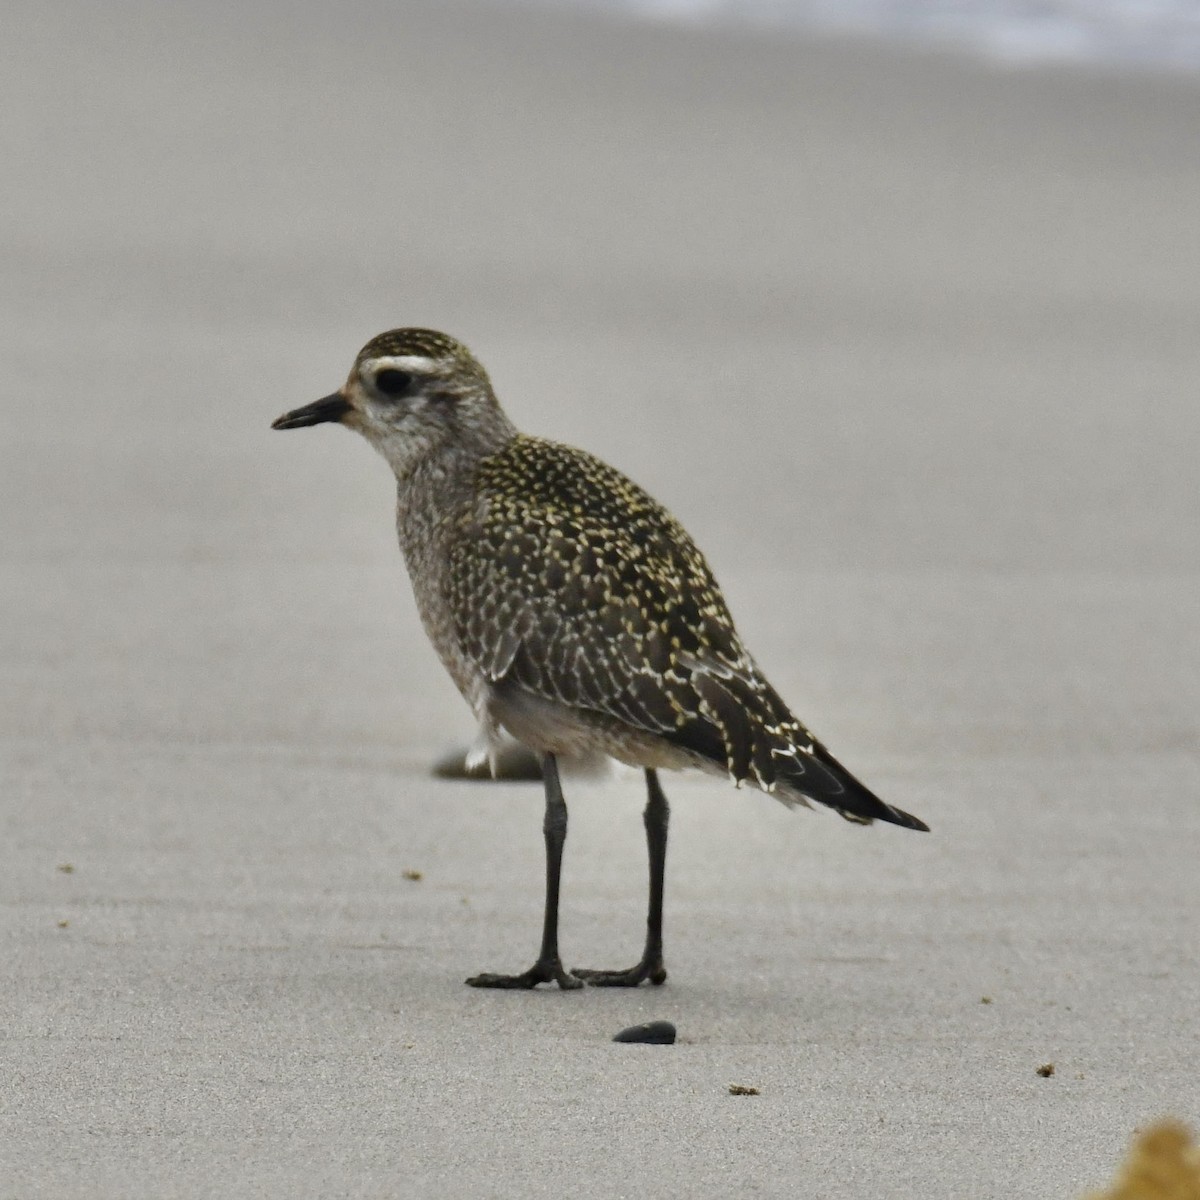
[[574, 613]]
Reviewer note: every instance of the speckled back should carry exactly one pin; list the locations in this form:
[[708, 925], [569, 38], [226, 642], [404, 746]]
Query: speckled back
[[570, 580]]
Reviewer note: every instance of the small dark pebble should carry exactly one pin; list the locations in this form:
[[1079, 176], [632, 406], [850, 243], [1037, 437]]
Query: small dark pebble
[[654, 1033], [738, 1089], [1046, 1070]]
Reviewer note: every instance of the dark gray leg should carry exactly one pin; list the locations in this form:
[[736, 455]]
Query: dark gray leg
[[656, 818], [548, 968]]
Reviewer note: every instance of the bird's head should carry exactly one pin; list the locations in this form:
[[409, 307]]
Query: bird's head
[[412, 393]]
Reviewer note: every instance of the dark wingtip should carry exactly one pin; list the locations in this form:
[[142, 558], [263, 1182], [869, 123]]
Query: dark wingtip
[[906, 820], [837, 788]]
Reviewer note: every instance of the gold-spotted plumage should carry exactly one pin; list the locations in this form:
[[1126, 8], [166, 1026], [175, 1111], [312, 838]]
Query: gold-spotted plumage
[[570, 608], [568, 580], [575, 584]]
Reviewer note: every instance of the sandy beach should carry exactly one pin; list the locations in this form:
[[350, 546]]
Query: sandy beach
[[908, 342]]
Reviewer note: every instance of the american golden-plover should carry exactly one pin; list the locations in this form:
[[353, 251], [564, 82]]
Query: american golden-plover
[[571, 610]]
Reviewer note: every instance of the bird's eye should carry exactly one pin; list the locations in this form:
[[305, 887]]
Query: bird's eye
[[393, 383]]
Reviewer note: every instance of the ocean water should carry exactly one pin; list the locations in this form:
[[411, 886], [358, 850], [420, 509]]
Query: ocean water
[[1161, 35]]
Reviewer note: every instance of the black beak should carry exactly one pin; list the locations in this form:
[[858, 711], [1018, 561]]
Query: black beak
[[331, 408]]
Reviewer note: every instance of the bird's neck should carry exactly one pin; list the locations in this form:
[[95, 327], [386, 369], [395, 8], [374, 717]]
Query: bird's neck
[[445, 444], [435, 488]]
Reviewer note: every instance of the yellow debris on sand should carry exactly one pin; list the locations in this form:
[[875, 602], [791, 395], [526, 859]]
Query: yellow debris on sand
[[1164, 1164]]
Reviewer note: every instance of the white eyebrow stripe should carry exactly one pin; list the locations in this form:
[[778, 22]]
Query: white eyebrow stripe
[[412, 364]]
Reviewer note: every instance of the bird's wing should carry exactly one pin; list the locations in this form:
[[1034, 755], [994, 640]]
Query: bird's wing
[[573, 583], [569, 581]]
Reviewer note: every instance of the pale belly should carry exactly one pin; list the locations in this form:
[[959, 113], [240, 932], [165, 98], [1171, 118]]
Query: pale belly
[[549, 727]]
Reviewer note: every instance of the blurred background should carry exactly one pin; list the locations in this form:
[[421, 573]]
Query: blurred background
[[894, 304], [846, 306]]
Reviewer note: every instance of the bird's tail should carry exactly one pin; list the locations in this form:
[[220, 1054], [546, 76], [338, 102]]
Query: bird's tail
[[739, 722], [810, 772]]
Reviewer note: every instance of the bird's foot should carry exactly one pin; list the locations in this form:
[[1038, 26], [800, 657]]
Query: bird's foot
[[545, 970], [651, 969]]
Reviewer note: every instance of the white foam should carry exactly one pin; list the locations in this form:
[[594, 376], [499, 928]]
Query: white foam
[[1147, 34]]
